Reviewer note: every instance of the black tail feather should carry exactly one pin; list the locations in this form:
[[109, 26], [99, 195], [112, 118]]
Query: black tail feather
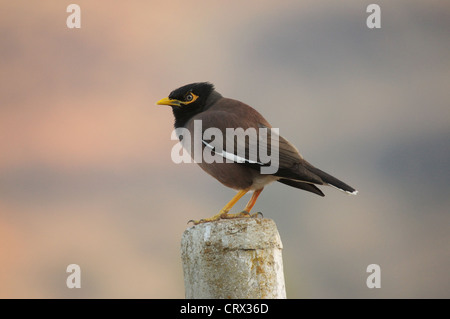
[[331, 180], [305, 186]]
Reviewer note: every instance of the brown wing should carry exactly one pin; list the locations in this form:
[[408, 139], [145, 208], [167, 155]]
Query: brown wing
[[248, 139]]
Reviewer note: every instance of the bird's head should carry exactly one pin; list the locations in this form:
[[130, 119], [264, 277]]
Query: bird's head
[[188, 101]]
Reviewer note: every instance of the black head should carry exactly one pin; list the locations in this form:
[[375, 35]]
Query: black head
[[188, 101]]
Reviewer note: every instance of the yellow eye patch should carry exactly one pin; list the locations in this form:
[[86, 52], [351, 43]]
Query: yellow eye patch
[[189, 98]]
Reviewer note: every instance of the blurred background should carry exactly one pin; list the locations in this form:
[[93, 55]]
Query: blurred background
[[86, 175]]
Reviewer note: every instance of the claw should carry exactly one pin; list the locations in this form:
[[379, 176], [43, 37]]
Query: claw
[[196, 222], [256, 215]]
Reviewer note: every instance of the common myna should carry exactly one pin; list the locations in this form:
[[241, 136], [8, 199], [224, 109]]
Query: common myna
[[242, 171]]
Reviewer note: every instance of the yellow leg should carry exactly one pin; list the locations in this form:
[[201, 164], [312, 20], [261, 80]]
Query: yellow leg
[[233, 201], [224, 211], [252, 200], [248, 207]]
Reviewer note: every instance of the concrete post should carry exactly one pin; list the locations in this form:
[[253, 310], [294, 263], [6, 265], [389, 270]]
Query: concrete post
[[234, 258]]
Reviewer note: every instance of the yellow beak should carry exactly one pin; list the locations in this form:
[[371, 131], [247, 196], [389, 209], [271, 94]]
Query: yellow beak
[[167, 101]]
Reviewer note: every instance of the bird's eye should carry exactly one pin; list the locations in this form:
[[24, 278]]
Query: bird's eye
[[189, 98]]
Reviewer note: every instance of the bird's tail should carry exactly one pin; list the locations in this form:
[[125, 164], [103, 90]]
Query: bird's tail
[[332, 181], [305, 186]]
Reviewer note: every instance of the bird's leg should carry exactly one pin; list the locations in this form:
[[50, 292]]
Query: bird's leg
[[224, 211], [250, 205]]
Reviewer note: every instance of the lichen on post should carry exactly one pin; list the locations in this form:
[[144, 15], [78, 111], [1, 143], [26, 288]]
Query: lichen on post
[[235, 258]]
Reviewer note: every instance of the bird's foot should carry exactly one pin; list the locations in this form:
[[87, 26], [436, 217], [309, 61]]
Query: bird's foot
[[244, 214], [225, 215], [220, 215]]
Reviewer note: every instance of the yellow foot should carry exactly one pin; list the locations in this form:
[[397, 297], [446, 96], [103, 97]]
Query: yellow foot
[[225, 215], [242, 214], [207, 220]]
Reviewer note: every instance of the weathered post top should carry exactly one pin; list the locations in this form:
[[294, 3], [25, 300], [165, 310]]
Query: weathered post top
[[234, 258]]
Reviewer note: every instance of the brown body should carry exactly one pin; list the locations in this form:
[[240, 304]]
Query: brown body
[[225, 112]]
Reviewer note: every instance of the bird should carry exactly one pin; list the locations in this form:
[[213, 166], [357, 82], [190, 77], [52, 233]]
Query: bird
[[201, 102]]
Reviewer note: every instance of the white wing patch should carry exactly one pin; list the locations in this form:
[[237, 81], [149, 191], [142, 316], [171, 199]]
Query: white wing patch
[[230, 156]]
